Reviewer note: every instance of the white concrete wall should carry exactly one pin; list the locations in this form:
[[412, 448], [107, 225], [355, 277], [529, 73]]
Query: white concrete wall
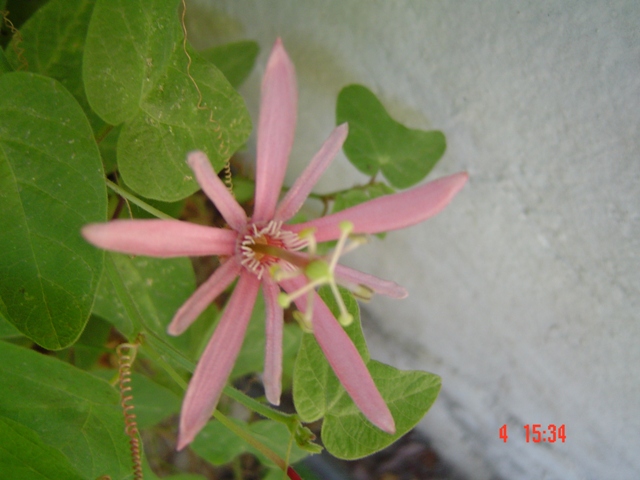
[[525, 292]]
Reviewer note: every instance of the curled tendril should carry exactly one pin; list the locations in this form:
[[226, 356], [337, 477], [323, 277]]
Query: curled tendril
[[224, 145], [18, 50], [126, 355]]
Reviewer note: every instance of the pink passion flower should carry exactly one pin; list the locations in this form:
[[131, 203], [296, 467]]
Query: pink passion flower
[[263, 251]]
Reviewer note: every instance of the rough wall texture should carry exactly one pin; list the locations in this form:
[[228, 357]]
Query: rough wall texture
[[525, 292]]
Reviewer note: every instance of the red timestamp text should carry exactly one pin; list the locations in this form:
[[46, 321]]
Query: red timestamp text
[[537, 434]]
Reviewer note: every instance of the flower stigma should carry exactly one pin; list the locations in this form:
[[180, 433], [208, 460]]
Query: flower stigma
[[320, 271]]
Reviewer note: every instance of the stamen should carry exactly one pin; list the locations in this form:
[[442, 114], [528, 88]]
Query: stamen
[[345, 318], [304, 320], [308, 235], [362, 292], [320, 272], [346, 228], [273, 250], [264, 247]]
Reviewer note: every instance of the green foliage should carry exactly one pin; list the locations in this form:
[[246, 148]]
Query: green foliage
[[7, 330], [243, 189], [52, 184], [72, 412], [143, 293], [25, 456], [21, 10], [377, 142], [4, 63], [86, 352], [346, 433], [218, 445], [355, 196], [235, 60], [184, 476], [57, 52], [137, 71], [153, 402]]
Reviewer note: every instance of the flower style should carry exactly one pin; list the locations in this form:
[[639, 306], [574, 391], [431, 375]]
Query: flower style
[[263, 251]]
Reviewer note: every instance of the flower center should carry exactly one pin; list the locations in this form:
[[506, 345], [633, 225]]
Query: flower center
[[264, 247]]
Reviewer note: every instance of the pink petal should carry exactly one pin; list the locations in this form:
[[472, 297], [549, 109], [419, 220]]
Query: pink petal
[[203, 296], [390, 212], [160, 238], [216, 190], [275, 130], [217, 360], [352, 278], [345, 360], [301, 189], [273, 350]]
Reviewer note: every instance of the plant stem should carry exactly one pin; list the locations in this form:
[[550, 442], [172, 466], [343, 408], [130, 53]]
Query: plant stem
[[136, 201], [326, 197], [260, 408]]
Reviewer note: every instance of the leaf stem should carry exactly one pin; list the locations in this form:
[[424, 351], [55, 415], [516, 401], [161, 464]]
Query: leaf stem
[[102, 134], [260, 408], [136, 201], [326, 197], [250, 439], [158, 358]]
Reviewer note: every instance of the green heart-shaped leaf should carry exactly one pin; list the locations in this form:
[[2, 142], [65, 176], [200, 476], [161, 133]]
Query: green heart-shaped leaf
[[4, 63], [25, 456], [376, 142], [147, 290], [57, 52], [7, 328], [235, 59], [70, 410], [219, 445], [138, 71], [51, 183], [91, 345], [358, 195], [153, 402], [346, 433]]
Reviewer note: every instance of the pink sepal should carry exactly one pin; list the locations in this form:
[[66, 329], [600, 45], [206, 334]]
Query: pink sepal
[[302, 187], [217, 360], [274, 324], [276, 127], [389, 212], [345, 360], [216, 190], [160, 238], [203, 296], [351, 278]]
